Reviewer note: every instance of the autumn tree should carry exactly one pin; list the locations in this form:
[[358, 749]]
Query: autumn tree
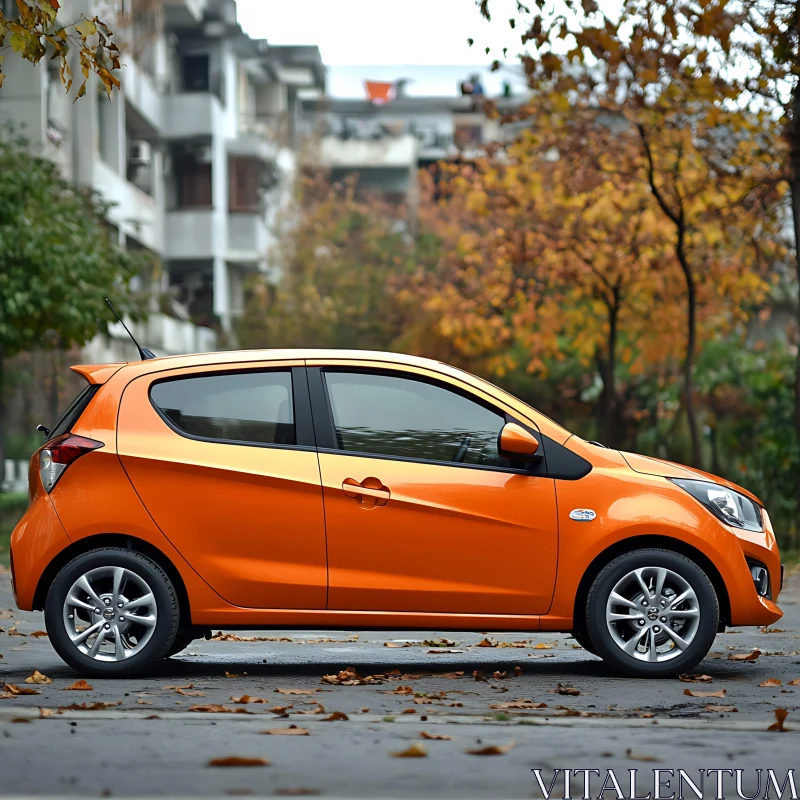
[[557, 243], [666, 72], [58, 260], [338, 257], [40, 29]]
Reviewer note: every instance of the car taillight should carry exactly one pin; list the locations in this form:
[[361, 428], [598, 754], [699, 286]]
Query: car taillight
[[59, 454]]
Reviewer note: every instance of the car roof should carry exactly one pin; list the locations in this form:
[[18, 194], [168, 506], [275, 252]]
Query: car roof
[[100, 373]]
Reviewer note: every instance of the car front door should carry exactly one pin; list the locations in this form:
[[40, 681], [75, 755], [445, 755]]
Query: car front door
[[223, 458], [422, 513]]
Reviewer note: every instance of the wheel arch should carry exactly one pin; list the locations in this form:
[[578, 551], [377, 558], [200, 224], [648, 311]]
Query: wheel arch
[[88, 543], [638, 543]]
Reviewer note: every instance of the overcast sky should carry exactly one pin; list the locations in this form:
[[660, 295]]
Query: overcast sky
[[385, 31]]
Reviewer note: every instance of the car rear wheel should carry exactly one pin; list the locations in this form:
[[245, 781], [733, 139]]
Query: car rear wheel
[[112, 613], [652, 613]]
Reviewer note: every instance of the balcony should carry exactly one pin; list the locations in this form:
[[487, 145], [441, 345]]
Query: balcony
[[189, 234], [248, 237], [192, 115], [391, 151]]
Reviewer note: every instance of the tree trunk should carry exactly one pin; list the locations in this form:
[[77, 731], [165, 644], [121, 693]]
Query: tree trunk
[[610, 432], [691, 346]]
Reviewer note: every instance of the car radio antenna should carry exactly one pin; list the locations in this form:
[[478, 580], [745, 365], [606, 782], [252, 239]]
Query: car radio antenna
[[144, 353]]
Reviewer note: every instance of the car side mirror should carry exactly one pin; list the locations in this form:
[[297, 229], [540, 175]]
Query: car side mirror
[[517, 443]]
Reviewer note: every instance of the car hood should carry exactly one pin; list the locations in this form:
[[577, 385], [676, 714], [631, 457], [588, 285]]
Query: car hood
[[668, 469]]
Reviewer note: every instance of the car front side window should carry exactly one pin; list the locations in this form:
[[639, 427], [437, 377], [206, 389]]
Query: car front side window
[[395, 416]]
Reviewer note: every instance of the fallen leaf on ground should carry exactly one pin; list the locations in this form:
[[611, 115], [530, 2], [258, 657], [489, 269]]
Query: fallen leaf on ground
[[543, 646], [280, 710], [795, 682], [20, 719], [38, 634], [493, 750], [409, 711], [569, 712], [402, 690], [244, 699], [44, 713], [695, 693], [190, 692], [38, 677], [486, 643], [479, 676], [79, 686], [216, 708], [397, 644], [780, 718], [770, 682], [722, 709], [517, 672], [434, 652], [438, 643], [349, 677], [452, 675], [175, 688], [13, 689], [234, 674], [292, 730], [98, 706], [337, 715], [568, 690], [499, 676], [296, 691], [144, 703], [415, 750], [694, 677], [772, 630], [436, 737], [745, 656], [519, 704], [233, 637], [238, 761]]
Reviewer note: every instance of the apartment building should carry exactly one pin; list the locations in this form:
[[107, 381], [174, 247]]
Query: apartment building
[[385, 141], [196, 152]]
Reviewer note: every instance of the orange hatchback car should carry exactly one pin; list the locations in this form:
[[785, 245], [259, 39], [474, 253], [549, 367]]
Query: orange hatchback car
[[353, 490]]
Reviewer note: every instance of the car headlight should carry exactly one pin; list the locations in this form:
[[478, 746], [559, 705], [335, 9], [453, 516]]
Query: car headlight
[[726, 505]]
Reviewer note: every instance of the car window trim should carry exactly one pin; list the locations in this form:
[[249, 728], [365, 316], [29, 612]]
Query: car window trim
[[301, 411], [325, 430]]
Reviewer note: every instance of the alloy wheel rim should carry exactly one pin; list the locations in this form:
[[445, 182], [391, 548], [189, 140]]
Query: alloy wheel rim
[[653, 614], [110, 613]]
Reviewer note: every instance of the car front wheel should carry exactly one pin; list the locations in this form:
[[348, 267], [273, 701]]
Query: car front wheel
[[652, 613], [112, 612]]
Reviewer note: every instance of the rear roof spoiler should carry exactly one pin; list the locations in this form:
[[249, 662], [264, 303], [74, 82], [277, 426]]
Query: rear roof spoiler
[[97, 374]]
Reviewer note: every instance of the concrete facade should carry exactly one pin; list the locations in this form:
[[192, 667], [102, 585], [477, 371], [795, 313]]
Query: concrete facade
[[195, 152]]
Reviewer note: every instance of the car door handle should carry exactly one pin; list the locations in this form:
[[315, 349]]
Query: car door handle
[[368, 493]]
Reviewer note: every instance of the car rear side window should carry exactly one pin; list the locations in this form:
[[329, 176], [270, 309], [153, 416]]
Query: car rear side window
[[248, 407], [391, 415]]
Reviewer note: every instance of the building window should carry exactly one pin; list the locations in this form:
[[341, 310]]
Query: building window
[[195, 72], [193, 179], [468, 134], [245, 184]]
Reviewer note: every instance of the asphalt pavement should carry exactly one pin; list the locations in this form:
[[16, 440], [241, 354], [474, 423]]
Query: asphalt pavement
[[472, 714]]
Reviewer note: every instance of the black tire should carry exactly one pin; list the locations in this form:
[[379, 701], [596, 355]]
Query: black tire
[[612, 653], [582, 638], [166, 602], [182, 640]]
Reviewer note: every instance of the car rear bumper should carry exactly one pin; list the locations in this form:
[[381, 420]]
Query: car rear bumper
[[38, 537]]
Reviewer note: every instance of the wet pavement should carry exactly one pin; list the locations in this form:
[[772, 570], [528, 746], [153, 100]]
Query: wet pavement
[[156, 735]]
